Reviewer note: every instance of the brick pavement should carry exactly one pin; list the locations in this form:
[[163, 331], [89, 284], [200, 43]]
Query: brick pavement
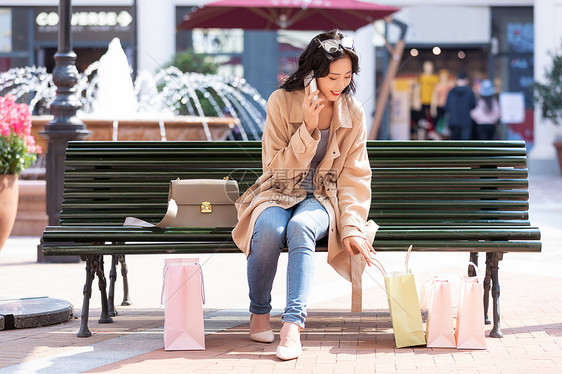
[[336, 341]]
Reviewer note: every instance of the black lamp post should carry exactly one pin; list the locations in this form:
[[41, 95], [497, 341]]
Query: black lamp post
[[65, 126]]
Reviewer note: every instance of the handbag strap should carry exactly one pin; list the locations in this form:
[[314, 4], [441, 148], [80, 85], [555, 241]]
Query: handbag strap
[[167, 221]]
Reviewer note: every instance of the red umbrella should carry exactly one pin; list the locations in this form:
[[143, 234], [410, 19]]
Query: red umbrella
[[286, 14]]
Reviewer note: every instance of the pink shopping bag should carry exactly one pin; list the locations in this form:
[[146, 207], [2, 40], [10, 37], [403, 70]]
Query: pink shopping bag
[[183, 296], [469, 333], [439, 331]]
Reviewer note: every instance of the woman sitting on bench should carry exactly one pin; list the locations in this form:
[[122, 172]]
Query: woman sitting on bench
[[316, 182]]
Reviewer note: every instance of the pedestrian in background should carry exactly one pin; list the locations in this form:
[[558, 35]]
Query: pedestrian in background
[[487, 112], [460, 101]]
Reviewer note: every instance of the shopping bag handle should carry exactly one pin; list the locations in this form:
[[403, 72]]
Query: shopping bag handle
[[379, 266], [475, 268], [165, 275], [408, 258]]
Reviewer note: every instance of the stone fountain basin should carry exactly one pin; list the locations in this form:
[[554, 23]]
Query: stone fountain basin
[[153, 129]]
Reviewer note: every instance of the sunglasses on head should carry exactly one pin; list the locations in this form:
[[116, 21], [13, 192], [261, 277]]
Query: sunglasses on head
[[334, 45]]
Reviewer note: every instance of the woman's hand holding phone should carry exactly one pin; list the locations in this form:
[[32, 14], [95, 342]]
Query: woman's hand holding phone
[[312, 105]]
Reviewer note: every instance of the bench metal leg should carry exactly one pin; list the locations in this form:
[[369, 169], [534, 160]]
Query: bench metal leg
[[91, 264], [474, 260], [491, 280], [494, 260], [111, 292], [102, 284], [124, 271], [487, 285]]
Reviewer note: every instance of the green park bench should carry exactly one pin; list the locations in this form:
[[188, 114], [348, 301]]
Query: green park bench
[[439, 196]]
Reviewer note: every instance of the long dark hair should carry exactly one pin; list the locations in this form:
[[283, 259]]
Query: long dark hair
[[488, 100], [316, 58]]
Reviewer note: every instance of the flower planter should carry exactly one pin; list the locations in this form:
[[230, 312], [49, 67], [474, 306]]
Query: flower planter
[[8, 205], [32, 217]]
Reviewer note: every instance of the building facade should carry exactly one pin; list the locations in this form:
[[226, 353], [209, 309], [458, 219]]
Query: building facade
[[506, 41]]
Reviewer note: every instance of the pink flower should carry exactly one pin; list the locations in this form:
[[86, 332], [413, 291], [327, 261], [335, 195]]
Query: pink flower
[[15, 118], [15, 131]]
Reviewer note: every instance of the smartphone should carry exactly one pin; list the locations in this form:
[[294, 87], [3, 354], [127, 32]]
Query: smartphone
[[311, 82]]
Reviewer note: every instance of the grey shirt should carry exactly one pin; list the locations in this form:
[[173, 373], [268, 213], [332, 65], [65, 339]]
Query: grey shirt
[[309, 181]]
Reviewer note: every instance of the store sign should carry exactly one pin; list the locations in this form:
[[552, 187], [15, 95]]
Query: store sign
[[88, 23], [114, 19]]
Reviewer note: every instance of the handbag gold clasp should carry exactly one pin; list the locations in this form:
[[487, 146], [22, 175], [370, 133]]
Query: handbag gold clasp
[[206, 207]]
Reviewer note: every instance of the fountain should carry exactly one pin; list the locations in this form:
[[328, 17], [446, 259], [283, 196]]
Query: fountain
[[115, 96], [167, 105]]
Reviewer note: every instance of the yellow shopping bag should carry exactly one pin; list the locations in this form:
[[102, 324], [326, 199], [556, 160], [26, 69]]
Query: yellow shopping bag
[[404, 307]]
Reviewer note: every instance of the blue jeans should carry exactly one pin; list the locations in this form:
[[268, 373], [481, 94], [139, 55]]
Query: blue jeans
[[297, 228]]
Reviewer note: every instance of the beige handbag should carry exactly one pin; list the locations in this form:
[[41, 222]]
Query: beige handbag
[[197, 203]]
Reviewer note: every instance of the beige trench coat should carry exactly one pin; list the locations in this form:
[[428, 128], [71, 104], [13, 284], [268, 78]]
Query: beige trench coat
[[342, 179]]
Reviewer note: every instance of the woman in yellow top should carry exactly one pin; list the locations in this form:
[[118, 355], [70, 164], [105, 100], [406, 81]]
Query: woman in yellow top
[[316, 182]]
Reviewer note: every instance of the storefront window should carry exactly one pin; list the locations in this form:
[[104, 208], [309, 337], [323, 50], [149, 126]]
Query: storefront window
[[520, 36], [291, 45], [513, 62], [225, 47], [5, 30], [212, 41], [14, 38]]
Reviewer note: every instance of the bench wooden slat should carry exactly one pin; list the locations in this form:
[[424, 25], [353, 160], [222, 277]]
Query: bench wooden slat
[[229, 247], [111, 233], [415, 183], [451, 172], [451, 161], [378, 144], [493, 222], [257, 143], [395, 206], [444, 215], [445, 173], [449, 204], [239, 153], [459, 195], [412, 183]]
